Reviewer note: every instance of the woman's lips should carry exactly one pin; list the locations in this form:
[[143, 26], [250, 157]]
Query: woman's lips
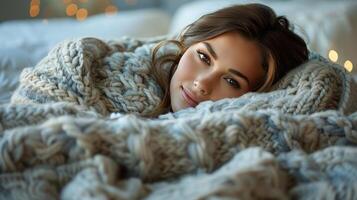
[[188, 97]]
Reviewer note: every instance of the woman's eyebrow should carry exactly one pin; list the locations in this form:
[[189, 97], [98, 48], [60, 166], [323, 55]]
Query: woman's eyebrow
[[210, 49]]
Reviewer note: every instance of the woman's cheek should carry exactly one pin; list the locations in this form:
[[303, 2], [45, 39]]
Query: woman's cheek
[[187, 67]]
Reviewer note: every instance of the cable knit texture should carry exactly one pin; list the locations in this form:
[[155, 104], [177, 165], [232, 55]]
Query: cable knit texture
[[57, 140]]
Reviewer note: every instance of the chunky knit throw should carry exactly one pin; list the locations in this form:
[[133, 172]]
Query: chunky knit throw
[[57, 140]]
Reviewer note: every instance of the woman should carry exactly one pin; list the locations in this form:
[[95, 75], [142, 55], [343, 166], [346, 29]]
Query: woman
[[227, 53]]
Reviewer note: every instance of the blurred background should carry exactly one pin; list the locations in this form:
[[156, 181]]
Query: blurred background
[[26, 9], [323, 41], [30, 28]]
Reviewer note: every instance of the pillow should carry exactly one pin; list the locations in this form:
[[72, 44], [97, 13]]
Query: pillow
[[324, 25]]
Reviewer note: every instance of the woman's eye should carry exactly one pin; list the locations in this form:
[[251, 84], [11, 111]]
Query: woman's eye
[[235, 84], [203, 57]]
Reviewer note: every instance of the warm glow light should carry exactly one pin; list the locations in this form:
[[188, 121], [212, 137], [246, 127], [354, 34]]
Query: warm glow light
[[34, 10], [333, 55], [35, 2], [71, 9], [348, 65], [82, 14], [109, 10]]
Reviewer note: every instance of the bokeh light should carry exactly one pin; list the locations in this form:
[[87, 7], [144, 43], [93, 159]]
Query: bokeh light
[[348, 65], [35, 2], [333, 55], [81, 14], [80, 9], [71, 9], [34, 10]]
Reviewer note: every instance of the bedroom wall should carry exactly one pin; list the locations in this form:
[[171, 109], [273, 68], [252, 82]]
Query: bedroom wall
[[13, 9], [19, 9]]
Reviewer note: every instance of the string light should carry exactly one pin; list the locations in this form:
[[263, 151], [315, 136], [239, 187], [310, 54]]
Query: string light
[[34, 8], [75, 8], [35, 2], [348, 65], [81, 14], [71, 9], [333, 55]]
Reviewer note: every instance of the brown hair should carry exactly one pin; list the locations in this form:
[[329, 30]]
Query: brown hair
[[256, 22]]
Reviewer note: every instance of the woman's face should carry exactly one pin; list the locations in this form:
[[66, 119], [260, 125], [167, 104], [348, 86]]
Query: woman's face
[[226, 66]]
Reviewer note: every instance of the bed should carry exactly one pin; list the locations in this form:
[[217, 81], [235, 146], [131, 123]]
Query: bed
[[24, 43], [65, 132]]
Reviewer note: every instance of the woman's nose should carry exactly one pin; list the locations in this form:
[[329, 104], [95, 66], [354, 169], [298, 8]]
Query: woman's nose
[[200, 88], [204, 82]]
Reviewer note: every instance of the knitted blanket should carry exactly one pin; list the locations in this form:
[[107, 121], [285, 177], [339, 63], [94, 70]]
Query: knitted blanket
[[57, 140]]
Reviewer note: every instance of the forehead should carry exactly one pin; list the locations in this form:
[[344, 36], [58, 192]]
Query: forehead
[[233, 47]]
